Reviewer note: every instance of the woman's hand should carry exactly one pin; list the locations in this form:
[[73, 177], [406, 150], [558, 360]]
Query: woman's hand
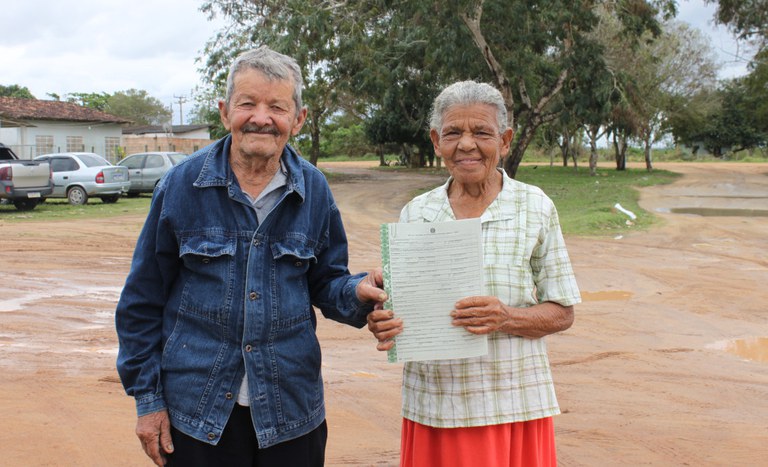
[[480, 315], [484, 315], [384, 326]]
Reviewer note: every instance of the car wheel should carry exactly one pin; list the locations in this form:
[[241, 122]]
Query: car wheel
[[77, 196], [110, 199], [25, 204]]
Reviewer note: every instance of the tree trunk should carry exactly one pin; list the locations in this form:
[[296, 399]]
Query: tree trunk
[[647, 149], [575, 149], [314, 133], [380, 150], [620, 150], [512, 162], [592, 133], [314, 118], [565, 146]]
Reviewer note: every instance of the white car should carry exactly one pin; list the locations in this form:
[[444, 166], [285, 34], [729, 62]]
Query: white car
[[145, 169], [79, 175]]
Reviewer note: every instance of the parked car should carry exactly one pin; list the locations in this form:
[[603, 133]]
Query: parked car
[[145, 169], [25, 183], [79, 175]]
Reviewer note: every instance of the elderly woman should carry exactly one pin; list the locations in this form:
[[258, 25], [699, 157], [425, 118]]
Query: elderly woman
[[497, 409]]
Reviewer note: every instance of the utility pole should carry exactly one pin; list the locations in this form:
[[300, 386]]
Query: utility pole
[[182, 100]]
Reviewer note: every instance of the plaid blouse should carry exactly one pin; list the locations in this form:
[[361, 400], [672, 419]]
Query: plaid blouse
[[526, 263]]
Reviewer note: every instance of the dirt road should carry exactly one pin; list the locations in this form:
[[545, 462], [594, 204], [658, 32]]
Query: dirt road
[[648, 375]]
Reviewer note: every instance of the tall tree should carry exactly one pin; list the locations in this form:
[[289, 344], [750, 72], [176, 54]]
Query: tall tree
[[14, 90], [307, 30], [747, 19], [92, 100], [670, 70], [527, 49], [138, 106]]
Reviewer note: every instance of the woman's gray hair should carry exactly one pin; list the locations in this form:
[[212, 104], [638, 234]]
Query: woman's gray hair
[[274, 65], [468, 93]]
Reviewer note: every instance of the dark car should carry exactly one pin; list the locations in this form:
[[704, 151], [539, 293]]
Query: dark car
[[145, 169]]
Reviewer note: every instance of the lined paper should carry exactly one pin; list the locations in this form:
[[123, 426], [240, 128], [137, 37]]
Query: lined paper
[[427, 268]]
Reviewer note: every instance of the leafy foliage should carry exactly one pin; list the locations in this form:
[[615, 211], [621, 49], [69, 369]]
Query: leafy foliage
[[139, 107], [14, 90]]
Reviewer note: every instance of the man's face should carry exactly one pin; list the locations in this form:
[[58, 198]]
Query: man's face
[[261, 115], [470, 143]]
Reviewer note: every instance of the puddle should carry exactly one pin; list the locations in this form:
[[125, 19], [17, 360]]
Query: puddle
[[751, 348], [98, 293], [718, 212], [605, 295]]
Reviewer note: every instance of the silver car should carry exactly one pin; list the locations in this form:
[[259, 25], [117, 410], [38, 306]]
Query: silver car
[[147, 168], [78, 175]]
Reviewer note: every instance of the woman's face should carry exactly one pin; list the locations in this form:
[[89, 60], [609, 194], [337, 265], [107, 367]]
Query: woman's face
[[470, 142]]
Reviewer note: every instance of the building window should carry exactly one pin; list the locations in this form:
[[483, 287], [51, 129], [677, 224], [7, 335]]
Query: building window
[[111, 148], [43, 144], [75, 144]]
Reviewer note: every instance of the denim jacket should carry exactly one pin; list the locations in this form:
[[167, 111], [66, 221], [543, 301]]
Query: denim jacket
[[212, 294]]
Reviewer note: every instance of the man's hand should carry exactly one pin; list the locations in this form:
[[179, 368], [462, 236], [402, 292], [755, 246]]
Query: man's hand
[[370, 289], [154, 432]]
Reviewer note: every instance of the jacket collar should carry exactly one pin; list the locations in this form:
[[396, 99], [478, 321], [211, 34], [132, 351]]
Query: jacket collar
[[216, 171]]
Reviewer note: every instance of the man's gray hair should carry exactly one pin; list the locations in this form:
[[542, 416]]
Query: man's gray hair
[[274, 65], [468, 93]]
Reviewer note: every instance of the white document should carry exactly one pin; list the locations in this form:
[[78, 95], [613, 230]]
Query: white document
[[428, 267]]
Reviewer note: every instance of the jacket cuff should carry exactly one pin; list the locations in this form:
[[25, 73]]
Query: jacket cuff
[[149, 403], [358, 309]]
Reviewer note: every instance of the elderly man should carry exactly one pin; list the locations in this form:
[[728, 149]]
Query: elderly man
[[216, 322]]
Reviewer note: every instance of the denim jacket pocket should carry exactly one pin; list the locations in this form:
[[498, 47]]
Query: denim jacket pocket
[[209, 269], [292, 257]]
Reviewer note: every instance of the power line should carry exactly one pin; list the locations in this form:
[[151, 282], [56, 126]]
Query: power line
[[182, 100]]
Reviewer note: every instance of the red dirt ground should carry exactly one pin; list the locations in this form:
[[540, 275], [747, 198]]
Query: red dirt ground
[[646, 376]]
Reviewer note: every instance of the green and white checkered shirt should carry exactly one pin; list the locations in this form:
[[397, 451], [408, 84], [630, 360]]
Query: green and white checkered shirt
[[526, 263]]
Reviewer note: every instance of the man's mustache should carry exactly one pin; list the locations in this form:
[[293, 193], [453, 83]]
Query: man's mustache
[[261, 129]]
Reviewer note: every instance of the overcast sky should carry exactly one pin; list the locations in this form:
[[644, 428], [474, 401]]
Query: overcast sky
[[58, 47]]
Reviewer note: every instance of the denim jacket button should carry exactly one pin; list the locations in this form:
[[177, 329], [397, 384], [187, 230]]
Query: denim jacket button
[[297, 264], [211, 436], [228, 395], [254, 295], [248, 348], [206, 260]]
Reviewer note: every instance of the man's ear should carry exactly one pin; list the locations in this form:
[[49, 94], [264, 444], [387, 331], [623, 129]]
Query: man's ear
[[224, 114], [299, 122]]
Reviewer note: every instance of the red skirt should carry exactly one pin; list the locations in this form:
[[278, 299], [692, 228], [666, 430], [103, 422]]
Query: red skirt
[[527, 444]]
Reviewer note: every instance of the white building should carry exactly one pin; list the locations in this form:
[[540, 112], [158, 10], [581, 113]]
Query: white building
[[32, 127]]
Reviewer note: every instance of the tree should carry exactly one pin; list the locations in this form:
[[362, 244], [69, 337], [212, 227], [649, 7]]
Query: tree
[[720, 121], [748, 20], [139, 107], [14, 90], [306, 30], [528, 50], [92, 100]]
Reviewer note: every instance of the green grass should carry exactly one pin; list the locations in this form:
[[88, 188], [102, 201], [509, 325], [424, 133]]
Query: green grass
[[55, 209], [584, 203]]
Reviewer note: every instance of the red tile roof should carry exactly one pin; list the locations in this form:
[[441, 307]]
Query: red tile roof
[[33, 109]]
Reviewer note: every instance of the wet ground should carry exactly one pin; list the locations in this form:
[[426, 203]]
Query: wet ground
[[665, 364]]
